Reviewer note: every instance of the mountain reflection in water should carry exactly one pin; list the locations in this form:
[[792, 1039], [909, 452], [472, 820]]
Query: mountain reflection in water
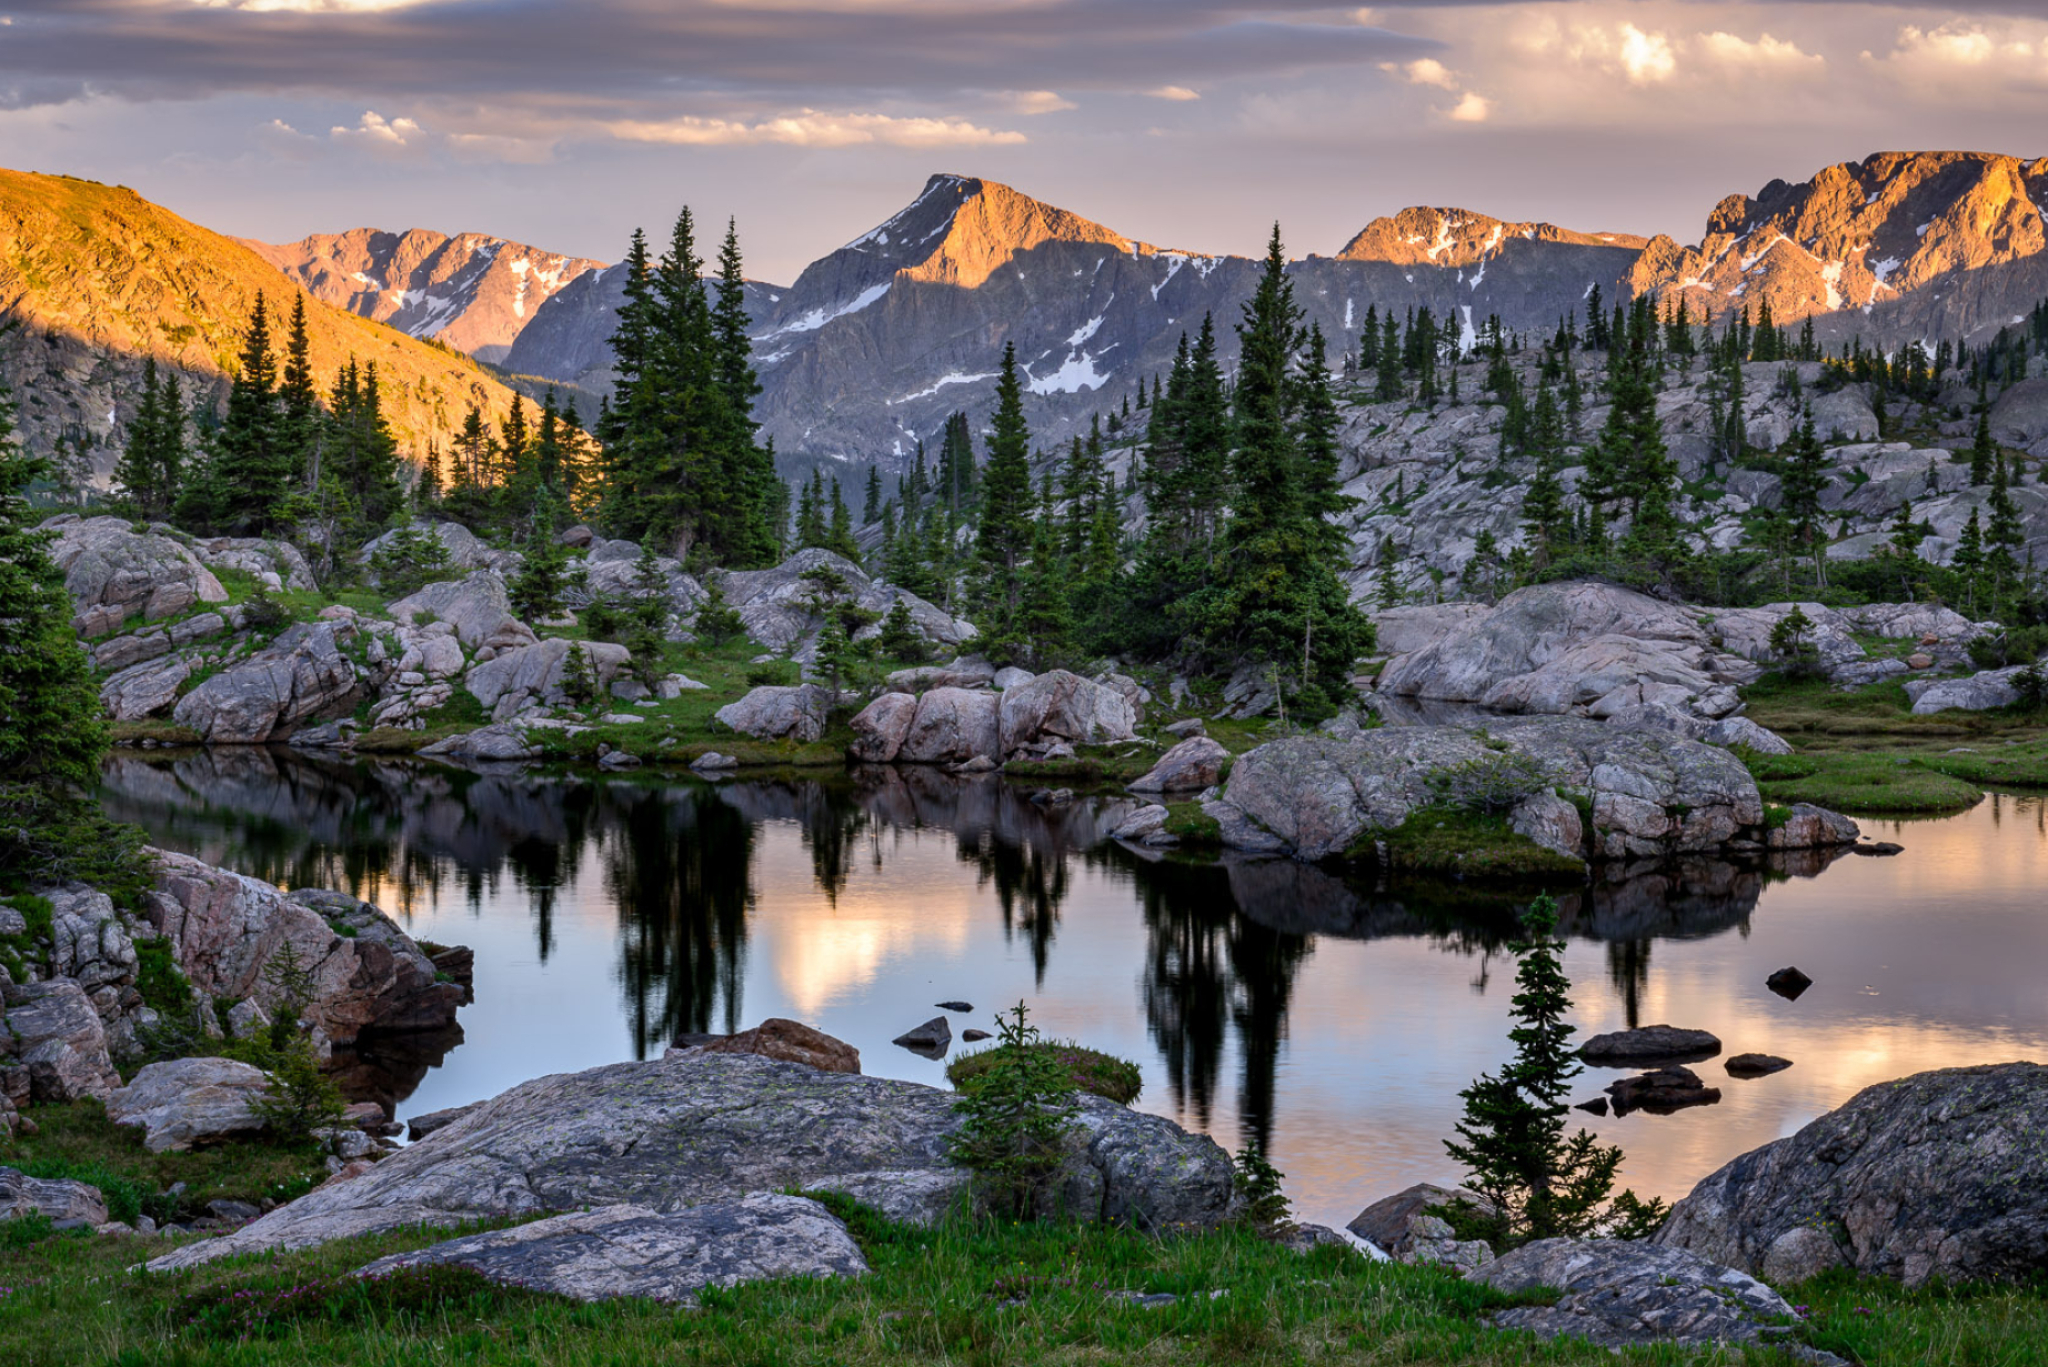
[[1329, 1018]]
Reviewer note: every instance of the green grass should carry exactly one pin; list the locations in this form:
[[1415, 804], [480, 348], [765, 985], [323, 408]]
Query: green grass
[[1443, 840], [1189, 824], [1105, 1075], [1861, 784], [968, 1293], [76, 1139], [1092, 764], [1815, 718]]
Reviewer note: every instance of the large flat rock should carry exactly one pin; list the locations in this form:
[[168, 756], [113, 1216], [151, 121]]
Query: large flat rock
[[632, 1251], [698, 1127]]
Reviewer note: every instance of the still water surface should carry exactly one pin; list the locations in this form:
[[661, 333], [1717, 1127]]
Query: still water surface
[[1334, 1020]]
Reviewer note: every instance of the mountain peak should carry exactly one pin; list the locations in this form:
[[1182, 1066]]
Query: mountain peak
[[1423, 236], [961, 229]]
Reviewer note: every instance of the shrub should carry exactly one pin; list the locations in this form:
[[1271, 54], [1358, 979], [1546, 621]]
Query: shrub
[[1266, 1208], [774, 674], [1493, 783], [1014, 1122], [409, 561], [899, 639], [603, 618], [716, 621], [158, 978], [302, 1100], [48, 835], [1087, 1070], [261, 612]]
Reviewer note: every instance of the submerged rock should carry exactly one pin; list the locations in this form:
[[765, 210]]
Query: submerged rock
[[1939, 1175], [1649, 1044], [1756, 1065], [700, 1127], [1662, 1092], [1788, 983], [627, 1250]]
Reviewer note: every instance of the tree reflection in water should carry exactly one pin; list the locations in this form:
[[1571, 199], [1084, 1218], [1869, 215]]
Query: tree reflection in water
[[1225, 943]]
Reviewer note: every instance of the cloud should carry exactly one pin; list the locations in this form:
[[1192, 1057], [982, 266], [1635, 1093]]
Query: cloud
[[379, 134], [1473, 108], [1767, 55], [1646, 57], [809, 128], [1425, 71], [308, 6], [1035, 102], [1174, 92], [1964, 59]]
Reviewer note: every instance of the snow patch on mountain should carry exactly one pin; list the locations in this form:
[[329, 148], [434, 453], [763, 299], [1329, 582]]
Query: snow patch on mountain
[[818, 317]]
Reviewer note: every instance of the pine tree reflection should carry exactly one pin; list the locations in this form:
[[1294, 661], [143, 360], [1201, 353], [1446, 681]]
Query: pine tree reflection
[[677, 866]]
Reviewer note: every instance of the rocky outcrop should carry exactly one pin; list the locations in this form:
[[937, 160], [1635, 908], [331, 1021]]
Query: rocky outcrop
[[66, 1203], [227, 931], [627, 1250], [778, 606], [277, 565], [478, 608], [113, 573], [1980, 692], [465, 551], [1939, 1175], [799, 713], [144, 690], [499, 742], [1649, 793], [943, 726], [952, 725], [700, 1127], [304, 676], [1621, 1293], [1402, 1227], [1589, 647], [539, 675], [51, 1032], [1194, 764], [190, 1100], [1059, 706]]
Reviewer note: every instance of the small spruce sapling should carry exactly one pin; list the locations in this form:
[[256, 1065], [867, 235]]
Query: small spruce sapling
[[1267, 1210], [899, 639], [1014, 1122]]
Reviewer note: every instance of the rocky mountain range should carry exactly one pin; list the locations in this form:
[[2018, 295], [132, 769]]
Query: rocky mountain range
[[471, 292], [94, 279], [873, 345], [876, 343]]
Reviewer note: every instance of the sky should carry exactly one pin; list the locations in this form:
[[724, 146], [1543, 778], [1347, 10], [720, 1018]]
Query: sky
[[1188, 123]]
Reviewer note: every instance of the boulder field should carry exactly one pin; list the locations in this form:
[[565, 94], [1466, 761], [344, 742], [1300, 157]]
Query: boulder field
[[698, 1126], [1032, 716]]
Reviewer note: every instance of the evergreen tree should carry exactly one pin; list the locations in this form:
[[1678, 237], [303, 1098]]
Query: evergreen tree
[[1968, 560], [871, 506], [153, 462], [2003, 535], [1003, 539], [299, 427], [52, 733], [242, 488], [1512, 1141], [1983, 451], [839, 535], [1544, 523], [1276, 598], [1629, 462], [1387, 385], [1801, 484]]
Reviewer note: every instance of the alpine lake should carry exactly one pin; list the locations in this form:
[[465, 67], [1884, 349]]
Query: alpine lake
[[1330, 1017]]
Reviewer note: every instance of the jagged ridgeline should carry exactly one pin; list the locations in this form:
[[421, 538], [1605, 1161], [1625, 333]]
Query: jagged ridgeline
[[877, 343], [95, 281]]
